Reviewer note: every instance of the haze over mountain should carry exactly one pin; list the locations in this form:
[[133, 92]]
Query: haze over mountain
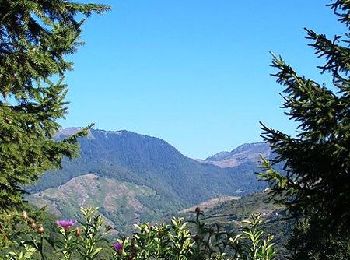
[[133, 177]]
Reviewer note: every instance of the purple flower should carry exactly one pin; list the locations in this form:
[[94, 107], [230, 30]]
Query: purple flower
[[118, 246], [65, 223]]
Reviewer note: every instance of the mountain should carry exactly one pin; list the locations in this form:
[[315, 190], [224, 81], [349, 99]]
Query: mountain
[[139, 176], [246, 153]]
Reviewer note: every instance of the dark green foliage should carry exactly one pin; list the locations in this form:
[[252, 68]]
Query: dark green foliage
[[35, 38], [316, 185]]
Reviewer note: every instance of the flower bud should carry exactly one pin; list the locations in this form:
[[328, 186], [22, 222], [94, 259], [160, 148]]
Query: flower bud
[[41, 230], [24, 215], [77, 232]]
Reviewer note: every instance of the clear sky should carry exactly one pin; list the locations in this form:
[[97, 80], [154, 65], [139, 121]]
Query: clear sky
[[192, 72]]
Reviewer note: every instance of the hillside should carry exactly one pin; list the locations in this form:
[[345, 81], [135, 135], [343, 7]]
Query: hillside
[[229, 213], [121, 203], [148, 171]]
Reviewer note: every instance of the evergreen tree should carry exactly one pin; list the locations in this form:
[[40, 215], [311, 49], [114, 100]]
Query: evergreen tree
[[35, 38], [316, 185]]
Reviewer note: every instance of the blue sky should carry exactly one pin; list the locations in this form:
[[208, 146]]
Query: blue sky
[[192, 72]]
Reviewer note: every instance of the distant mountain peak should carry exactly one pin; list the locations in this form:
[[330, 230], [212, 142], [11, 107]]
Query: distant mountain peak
[[68, 131], [249, 152], [246, 146]]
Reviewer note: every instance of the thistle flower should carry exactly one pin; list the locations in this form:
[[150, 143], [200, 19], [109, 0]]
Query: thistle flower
[[118, 247], [65, 223]]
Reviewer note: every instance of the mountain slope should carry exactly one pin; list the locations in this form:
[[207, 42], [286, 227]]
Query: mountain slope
[[229, 213], [120, 203], [143, 162]]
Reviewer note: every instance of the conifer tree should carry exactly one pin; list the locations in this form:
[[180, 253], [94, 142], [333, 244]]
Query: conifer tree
[[316, 185], [35, 38]]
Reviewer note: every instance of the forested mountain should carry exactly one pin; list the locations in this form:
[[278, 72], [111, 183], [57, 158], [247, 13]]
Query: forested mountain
[[148, 175]]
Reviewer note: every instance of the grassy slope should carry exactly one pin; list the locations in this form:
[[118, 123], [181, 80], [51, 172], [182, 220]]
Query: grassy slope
[[121, 203]]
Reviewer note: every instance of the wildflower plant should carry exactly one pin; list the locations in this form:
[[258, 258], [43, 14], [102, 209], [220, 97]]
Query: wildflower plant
[[176, 240], [164, 241], [81, 242], [195, 239], [91, 233], [251, 241], [210, 242], [69, 239]]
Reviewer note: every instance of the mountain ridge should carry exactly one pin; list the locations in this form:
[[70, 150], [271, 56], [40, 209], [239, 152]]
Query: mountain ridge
[[248, 152], [140, 161]]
